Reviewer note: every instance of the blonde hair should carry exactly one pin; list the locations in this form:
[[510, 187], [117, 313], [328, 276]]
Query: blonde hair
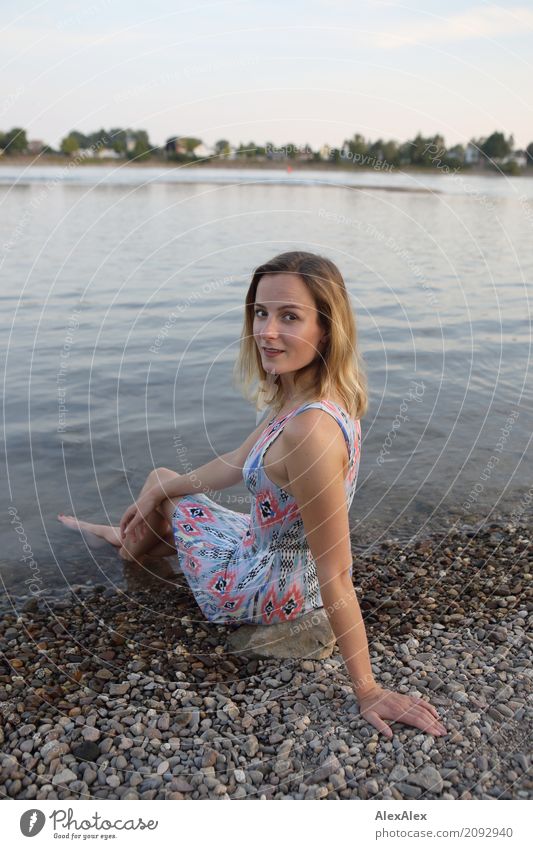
[[339, 369]]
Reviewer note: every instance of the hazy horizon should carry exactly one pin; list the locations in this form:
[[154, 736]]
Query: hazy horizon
[[311, 73]]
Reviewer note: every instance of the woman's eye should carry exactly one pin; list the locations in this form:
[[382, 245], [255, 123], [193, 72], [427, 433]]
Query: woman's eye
[[288, 314]]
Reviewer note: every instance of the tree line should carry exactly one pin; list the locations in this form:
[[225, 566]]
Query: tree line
[[496, 150]]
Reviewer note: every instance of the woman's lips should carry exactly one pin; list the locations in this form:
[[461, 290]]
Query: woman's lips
[[272, 352]]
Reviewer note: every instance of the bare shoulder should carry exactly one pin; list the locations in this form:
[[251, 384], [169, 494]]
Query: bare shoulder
[[315, 430]]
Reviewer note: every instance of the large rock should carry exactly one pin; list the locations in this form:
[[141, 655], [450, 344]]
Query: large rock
[[308, 636]]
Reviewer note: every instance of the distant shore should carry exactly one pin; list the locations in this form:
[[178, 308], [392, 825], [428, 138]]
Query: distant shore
[[238, 164]]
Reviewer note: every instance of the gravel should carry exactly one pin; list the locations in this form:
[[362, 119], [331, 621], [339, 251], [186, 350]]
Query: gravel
[[137, 697]]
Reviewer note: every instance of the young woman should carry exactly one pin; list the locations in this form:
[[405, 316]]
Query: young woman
[[292, 553]]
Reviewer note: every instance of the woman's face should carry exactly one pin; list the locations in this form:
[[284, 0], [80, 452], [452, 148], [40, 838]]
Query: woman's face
[[286, 318]]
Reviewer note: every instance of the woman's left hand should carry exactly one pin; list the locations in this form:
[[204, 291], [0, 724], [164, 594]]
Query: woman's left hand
[[136, 513], [380, 704]]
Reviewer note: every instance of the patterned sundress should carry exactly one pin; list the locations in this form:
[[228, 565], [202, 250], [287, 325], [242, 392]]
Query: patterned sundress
[[256, 568]]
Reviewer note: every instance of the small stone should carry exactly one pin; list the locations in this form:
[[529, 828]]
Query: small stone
[[163, 723], [232, 710], [89, 775], [428, 778], [113, 781], [240, 776], [398, 773], [209, 758], [251, 747], [408, 790], [53, 749], [119, 689], [63, 777], [91, 734], [182, 785], [322, 773], [104, 674], [504, 693], [282, 768], [86, 751]]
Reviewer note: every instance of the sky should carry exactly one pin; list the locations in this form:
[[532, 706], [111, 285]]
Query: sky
[[297, 71]]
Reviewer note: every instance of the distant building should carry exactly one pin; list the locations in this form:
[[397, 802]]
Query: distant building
[[201, 151], [473, 155], [518, 156], [35, 146], [130, 143], [107, 153], [325, 151]]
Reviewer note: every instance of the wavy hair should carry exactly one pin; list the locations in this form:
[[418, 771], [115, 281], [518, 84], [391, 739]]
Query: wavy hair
[[340, 366]]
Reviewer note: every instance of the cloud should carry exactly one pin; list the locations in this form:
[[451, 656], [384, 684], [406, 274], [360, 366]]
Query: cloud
[[479, 22]]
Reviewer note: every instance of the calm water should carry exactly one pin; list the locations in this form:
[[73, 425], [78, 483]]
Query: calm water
[[101, 384]]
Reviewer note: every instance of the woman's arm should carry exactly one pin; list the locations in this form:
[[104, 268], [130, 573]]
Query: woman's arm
[[314, 462], [314, 466], [220, 473]]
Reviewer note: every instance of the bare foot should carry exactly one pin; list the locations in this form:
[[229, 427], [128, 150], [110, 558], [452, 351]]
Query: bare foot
[[105, 533]]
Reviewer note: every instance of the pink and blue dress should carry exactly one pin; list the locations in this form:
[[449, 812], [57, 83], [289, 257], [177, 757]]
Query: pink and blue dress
[[256, 568]]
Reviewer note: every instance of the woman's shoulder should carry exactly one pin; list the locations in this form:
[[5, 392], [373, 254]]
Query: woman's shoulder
[[315, 425]]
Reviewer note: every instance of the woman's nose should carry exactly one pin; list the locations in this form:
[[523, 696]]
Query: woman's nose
[[269, 328]]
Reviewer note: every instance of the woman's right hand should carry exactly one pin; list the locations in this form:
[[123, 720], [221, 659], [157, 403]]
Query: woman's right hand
[[137, 512], [380, 704]]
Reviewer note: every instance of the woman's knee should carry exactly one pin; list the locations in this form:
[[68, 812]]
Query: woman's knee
[[160, 474]]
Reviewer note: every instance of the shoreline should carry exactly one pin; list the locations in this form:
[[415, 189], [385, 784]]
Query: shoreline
[[139, 697], [234, 164]]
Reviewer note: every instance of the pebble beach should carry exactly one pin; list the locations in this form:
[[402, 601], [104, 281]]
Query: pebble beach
[[107, 694]]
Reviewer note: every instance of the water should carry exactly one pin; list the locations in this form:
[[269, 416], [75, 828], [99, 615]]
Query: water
[[101, 383]]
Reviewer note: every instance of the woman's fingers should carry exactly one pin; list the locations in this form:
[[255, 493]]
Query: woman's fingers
[[125, 521], [433, 713], [378, 723], [131, 523], [423, 719], [428, 707]]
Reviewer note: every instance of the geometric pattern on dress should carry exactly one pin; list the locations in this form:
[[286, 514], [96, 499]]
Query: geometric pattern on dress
[[291, 604], [256, 567]]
